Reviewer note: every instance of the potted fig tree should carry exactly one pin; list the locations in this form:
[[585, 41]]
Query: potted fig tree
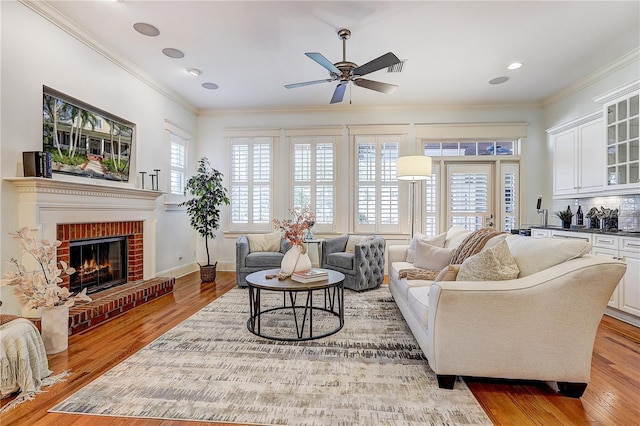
[[203, 207]]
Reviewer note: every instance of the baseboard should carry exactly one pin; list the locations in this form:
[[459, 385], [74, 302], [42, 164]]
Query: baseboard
[[179, 271], [623, 316]]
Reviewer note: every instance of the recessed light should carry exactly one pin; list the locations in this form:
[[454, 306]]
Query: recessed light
[[210, 86], [146, 29], [173, 53], [515, 66], [498, 80], [194, 71]]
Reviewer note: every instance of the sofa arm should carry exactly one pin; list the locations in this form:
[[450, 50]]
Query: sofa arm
[[398, 253], [539, 327], [242, 251]]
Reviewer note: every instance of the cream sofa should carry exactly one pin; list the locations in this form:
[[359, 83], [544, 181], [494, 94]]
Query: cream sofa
[[539, 326]]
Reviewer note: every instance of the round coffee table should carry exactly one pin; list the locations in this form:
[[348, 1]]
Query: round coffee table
[[333, 303]]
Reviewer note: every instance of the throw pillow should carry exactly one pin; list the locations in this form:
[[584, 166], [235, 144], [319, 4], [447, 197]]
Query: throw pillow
[[354, 240], [455, 235], [493, 264], [437, 241], [448, 273], [431, 257], [264, 242], [536, 254]]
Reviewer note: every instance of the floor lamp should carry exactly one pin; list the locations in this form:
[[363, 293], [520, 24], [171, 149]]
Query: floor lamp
[[413, 168]]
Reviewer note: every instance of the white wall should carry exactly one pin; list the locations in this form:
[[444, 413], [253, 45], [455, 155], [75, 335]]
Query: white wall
[[35, 53], [535, 169]]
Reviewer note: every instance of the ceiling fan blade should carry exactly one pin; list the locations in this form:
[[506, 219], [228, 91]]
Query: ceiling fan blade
[[383, 61], [324, 62], [375, 85], [338, 94], [307, 83]]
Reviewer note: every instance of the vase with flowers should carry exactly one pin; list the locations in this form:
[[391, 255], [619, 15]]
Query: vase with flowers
[[565, 216], [295, 230], [37, 287]]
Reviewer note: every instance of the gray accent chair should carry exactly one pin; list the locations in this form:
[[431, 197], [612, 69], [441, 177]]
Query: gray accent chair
[[247, 263], [363, 269]]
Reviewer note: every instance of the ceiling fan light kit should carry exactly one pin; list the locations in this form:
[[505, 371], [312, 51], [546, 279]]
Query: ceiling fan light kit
[[345, 71]]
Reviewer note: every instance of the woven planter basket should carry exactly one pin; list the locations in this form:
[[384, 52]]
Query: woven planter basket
[[208, 272]]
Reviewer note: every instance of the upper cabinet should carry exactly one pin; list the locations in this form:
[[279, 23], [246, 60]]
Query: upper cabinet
[[599, 152], [621, 109], [579, 160]]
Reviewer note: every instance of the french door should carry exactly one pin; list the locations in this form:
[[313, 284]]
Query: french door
[[470, 195]]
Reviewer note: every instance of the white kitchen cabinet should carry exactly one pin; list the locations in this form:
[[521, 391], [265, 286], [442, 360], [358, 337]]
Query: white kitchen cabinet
[[579, 156], [626, 298], [622, 135], [540, 233]]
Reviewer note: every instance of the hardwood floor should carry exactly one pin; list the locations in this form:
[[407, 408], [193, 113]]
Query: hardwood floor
[[612, 397]]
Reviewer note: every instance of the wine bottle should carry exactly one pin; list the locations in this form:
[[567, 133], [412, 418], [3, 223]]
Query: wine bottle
[[579, 216]]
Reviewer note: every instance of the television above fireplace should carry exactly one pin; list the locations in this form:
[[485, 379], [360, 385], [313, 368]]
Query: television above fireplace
[[83, 140]]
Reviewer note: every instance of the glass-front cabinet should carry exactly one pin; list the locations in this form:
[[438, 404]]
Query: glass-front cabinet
[[622, 126]]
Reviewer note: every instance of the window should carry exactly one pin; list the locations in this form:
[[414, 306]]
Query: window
[[468, 148], [510, 194], [178, 148], [251, 183], [313, 171], [431, 215], [377, 189]]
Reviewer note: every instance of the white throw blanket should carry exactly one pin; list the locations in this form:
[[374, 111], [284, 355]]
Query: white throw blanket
[[24, 362]]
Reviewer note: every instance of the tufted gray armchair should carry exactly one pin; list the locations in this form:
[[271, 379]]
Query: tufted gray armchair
[[363, 269], [247, 263]]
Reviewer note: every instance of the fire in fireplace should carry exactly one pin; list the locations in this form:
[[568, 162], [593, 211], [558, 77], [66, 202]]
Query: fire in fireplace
[[99, 263]]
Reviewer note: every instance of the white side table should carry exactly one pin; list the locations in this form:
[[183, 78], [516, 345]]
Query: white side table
[[315, 255]]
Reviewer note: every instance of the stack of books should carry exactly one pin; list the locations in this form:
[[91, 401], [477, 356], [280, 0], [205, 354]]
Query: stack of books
[[310, 275]]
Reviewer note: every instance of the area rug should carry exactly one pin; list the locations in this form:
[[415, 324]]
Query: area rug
[[211, 368]]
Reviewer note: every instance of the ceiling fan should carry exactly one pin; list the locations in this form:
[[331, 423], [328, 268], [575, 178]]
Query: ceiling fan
[[346, 71]]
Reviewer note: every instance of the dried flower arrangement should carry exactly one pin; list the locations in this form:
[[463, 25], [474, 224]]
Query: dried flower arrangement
[[39, 288], [296, 228]]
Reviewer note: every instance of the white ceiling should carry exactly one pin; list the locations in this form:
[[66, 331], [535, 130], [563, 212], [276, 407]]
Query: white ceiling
[[252, 49]]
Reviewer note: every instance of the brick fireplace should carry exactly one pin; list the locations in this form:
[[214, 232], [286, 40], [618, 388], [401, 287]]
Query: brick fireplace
[[59, 209], [132, 231]]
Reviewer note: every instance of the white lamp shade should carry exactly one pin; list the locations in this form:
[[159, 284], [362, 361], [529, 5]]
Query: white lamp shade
[[413, 167]]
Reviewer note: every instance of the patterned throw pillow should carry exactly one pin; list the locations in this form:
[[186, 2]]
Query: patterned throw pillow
[[493, 264]]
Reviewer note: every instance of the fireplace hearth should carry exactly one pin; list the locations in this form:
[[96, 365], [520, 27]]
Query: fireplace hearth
[[100, 264]]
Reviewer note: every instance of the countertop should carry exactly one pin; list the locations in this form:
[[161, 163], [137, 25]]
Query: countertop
[[591, 230]]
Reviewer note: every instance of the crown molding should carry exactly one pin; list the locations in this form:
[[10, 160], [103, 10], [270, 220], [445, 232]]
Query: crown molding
[[587, 118], [51, 14], [620, 92], [626, 60], [358, 109]]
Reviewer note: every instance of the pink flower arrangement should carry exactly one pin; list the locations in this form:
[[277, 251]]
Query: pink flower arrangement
[[295, 229], [39, 287]]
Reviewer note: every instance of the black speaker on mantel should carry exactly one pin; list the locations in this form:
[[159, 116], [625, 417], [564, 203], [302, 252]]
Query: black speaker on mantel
[[37, 164]]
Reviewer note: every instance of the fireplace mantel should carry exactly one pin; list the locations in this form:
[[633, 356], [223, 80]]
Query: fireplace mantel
[[61, 187], [43, 204]]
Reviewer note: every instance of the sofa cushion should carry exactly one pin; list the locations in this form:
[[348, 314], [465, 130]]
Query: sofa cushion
[[493, 264], [437, 241], [536, 254], [431, 257], [341, 260], [418, 299], [264, 242], [265, 259]]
